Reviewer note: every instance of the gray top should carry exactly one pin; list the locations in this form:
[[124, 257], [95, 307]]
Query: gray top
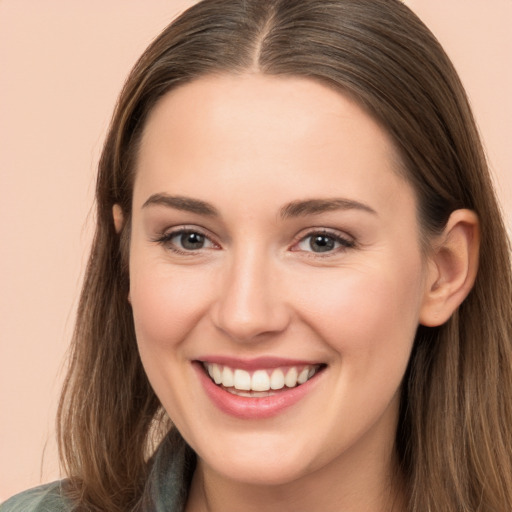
[[166, 488]]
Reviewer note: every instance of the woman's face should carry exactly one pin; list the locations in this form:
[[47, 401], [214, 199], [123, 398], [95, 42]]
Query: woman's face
[[275, 248]]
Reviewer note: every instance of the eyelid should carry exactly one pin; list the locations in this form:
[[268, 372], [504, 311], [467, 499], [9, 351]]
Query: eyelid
[[168, 234], [345, 240]]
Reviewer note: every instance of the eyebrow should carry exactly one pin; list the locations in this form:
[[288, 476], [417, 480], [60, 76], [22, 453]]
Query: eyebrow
[[182, 203], [317, 206], [293, 209]]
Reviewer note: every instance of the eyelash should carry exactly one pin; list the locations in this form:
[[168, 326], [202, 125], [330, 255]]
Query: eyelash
[[344, 243], [165, 240]]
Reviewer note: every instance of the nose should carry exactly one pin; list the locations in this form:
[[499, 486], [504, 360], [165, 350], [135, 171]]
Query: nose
[[250, 302]]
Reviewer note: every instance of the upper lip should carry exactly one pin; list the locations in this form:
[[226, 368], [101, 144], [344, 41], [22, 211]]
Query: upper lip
[[266, 362]]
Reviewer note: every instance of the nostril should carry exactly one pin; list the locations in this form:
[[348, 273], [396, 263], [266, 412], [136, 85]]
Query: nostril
[[250, 323]]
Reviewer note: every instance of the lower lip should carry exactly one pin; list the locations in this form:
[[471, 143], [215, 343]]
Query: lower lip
[[253, 408]]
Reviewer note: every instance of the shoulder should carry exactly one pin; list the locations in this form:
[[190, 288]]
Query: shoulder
[[45, 498]]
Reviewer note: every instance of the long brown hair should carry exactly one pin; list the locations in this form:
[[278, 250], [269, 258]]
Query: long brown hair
[[455, 427]]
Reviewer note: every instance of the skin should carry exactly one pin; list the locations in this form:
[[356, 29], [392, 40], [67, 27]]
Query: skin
[[248, 146]]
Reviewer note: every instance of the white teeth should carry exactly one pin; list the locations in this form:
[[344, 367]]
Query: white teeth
[[291, 377], [277, 379], [242, 380], [216, 374], [303, 376], [227, 377], [261, 380], [238, 392]]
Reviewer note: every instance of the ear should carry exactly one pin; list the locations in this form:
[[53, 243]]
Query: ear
[[117, 214], [452, 268]]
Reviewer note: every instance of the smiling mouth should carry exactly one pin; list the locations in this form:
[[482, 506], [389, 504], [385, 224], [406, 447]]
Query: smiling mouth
[[262, 382]]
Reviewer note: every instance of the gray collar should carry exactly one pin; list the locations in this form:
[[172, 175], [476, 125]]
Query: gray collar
[[172, 467]]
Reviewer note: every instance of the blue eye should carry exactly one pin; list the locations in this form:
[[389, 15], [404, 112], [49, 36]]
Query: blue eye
[[323, 243]]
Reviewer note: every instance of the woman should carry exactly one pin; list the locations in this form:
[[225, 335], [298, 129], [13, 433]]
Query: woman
[[300, 265]]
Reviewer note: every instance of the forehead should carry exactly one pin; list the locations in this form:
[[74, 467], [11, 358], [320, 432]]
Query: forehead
[[277, 108], [245, 132]]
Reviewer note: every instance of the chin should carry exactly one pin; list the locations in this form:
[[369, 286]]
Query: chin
[[273, 472], [260, 461]]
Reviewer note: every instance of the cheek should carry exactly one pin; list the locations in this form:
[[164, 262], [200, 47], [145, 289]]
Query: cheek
[[166, 304], [368, 312]]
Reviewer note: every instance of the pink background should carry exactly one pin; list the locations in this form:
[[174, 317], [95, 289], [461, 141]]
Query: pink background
[[62, 65]]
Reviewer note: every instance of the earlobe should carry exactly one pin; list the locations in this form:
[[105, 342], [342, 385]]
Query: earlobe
[[452, 269], [117, 214]]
